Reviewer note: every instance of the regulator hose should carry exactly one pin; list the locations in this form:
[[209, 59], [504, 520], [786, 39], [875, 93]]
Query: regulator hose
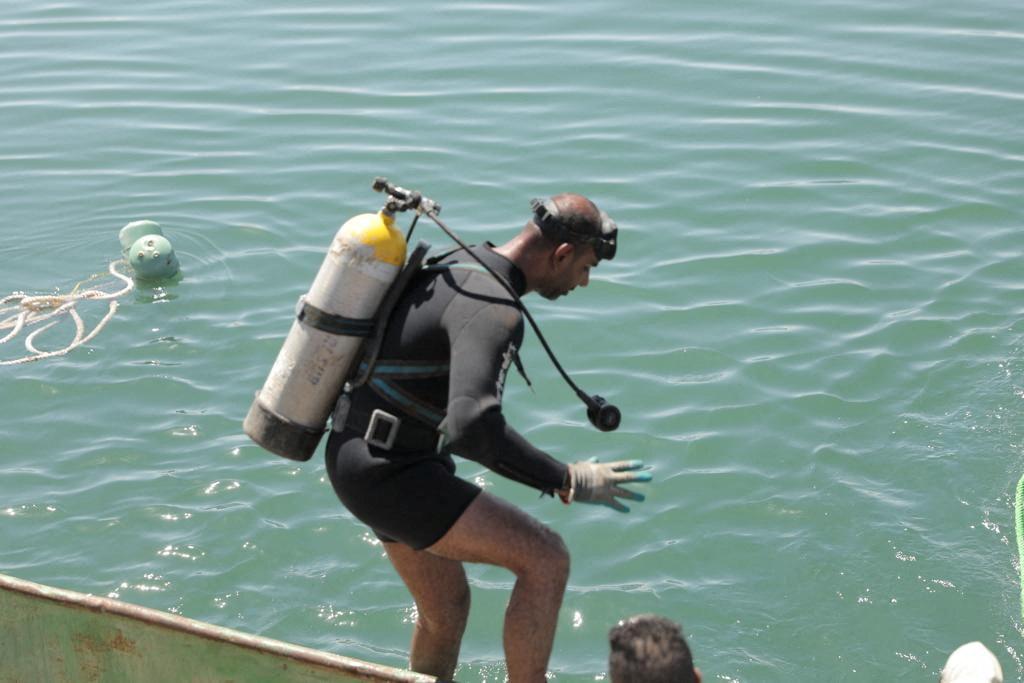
[[602, 414]]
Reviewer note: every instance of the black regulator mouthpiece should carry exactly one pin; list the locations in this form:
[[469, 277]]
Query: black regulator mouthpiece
[[603, 414]]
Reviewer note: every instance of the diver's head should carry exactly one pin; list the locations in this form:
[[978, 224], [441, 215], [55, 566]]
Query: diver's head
[[574, 219], [574, 236]]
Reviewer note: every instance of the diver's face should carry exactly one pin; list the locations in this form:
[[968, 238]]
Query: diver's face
[[571, 264]]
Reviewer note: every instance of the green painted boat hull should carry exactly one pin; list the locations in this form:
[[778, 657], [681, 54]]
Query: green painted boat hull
[[56, 635]]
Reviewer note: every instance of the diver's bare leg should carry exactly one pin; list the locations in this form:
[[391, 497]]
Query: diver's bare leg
[[496, 532], [439, 587]]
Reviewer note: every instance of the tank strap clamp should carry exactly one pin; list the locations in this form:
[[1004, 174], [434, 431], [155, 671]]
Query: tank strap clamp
[[310, 315]]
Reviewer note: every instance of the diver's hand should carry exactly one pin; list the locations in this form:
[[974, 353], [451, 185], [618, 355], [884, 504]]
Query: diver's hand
[[599, 483]]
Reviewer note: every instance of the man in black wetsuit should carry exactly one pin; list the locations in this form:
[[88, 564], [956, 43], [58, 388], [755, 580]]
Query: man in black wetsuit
[[437, 390]]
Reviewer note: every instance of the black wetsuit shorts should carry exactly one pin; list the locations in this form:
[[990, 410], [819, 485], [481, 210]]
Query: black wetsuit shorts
[[412, 497]]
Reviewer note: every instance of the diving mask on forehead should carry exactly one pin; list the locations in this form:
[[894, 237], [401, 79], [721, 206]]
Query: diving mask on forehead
[[575, 229]]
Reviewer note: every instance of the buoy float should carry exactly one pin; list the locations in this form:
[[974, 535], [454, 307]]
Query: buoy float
[[148, 251]]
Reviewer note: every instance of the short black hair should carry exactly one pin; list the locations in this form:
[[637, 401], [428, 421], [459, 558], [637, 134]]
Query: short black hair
[[649, 649]]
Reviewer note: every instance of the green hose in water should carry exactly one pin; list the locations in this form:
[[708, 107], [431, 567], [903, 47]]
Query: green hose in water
[[1019, 509]]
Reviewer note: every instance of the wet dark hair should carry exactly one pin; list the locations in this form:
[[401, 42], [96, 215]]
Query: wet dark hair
[[649, 649]]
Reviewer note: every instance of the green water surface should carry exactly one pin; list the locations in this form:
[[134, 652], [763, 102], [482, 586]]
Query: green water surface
[[814, 326]]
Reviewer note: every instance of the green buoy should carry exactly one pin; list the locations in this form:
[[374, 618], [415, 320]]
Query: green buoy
[[152, 258], [134, 230], [149, 253]]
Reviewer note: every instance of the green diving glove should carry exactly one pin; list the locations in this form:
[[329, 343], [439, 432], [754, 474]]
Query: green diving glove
[[599, 483]]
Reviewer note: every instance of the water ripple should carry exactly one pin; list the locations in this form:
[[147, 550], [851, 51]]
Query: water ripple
[[815, 315]]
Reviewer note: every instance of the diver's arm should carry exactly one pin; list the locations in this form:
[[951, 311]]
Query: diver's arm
[[481, 354]]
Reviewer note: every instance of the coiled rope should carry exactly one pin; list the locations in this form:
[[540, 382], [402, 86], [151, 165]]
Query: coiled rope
[[25, 312]]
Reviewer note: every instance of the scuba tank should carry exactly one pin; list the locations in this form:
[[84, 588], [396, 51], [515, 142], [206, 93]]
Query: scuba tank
[[340, 311]]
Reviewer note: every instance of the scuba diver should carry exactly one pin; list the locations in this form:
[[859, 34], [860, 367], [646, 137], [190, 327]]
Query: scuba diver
[[436, 389]]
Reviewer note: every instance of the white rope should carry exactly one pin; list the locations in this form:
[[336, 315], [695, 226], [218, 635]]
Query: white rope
[[19, 323], [29, 311]]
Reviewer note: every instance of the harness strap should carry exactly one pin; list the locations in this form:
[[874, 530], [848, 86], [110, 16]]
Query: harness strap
[[407, 402], [405, 369], [387, 307], [456, 266]]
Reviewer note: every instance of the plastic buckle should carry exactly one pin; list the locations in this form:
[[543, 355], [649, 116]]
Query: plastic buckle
[[382, 430]]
